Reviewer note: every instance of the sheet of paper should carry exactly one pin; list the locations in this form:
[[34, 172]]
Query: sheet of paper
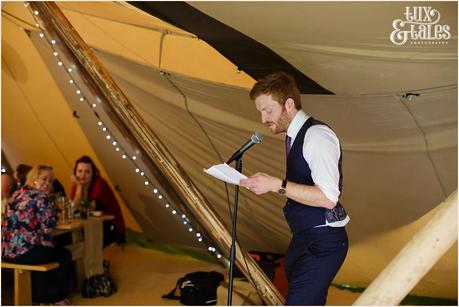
[[225, 173]]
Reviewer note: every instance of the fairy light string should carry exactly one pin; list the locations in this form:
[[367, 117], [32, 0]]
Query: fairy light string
[[69, 69]]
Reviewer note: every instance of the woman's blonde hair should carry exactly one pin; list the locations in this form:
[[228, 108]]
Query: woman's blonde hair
[[32, 175]]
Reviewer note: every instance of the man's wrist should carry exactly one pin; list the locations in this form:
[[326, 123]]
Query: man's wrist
[[283, 188]]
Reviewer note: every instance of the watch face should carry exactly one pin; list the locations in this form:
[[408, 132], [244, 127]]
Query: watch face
[[282, 190]]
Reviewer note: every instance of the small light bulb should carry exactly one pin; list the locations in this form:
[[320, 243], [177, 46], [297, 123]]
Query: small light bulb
[[219, 256], [99, 123], [134, 157], [59, 63], [117, 149], [155, 191], [124, 156], [53, 41], [190, 229], [37, 25], [104, 129], [55, 53], [69, 70], [142, 173], [160, 197], [200, 239], [183, 216], [26, 4], [93, 105], [82, 98], [210, 248], [108, 137], [114, 143], [185, 222], [71, 82], [42, 35], [36, 12], [146, 182], [167, 205], [174, 212], [198, 235], [137, 170], [78, 92]]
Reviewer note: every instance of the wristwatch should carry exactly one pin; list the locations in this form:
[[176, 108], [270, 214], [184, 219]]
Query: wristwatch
[[283, 189]]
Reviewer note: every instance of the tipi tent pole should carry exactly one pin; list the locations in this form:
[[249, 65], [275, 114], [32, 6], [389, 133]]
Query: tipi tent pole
[[415, 259]]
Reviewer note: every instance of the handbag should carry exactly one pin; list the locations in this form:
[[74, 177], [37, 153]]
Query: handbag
[[99, 285]]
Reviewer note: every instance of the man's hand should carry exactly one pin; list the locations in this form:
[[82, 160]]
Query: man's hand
[[261, 183]]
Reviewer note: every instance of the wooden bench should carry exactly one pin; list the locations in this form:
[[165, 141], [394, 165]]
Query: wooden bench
[[22, 279]]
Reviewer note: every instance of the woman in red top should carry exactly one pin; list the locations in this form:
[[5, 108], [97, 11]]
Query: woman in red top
[[88, 185]]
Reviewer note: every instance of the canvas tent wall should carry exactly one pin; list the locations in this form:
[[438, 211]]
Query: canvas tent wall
[[410, 145]]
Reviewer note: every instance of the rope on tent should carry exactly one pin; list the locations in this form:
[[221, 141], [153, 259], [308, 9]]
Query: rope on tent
[[185, 98], [12, 17], [160, 56], [108, 34], [404, 102]]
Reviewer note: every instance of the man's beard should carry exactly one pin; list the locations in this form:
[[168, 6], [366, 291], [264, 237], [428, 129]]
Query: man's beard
[[282, 123]]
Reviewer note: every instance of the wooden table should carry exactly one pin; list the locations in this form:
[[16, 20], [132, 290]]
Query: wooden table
[[86, 246]]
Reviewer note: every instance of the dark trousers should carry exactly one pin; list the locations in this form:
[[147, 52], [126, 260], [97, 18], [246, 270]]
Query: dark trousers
[[112, 234], [51, 286], [313, 258]]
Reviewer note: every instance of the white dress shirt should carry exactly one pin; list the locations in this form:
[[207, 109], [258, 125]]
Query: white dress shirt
[[321, 150]]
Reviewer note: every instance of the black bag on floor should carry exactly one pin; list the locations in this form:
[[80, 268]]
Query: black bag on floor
[[99, 284], [197, 288]]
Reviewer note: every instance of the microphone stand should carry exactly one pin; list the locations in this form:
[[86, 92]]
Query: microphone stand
[[233, 234]]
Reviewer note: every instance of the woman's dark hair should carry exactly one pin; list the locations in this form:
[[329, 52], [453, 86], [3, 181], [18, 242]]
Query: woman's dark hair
[[95, 170], [57, 188], [21, 172]]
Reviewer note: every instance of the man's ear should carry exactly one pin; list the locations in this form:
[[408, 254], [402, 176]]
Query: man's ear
[[290, 105]]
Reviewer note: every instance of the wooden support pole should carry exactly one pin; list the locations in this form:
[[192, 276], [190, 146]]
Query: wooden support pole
[[99, 79], [415, 259]]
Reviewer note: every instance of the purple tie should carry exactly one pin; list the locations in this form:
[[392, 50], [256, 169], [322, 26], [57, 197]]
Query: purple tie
[[288, 144]]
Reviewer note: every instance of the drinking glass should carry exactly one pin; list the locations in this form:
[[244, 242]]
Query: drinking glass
[[61, 205], [70, 210]]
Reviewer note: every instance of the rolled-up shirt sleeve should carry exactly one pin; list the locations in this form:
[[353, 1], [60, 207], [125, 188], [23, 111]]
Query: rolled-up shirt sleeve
[[321, 150]]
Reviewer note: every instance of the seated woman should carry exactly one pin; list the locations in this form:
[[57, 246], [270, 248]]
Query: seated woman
[[26, 238], [88, 185]]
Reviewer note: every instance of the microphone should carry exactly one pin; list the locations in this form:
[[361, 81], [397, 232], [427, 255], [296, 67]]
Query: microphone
[[256, 138]]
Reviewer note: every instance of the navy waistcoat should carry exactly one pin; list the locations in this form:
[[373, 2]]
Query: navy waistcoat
[[299, 216]]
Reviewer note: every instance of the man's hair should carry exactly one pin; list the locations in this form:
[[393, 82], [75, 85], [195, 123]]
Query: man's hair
[[280, 86], [33, 174]]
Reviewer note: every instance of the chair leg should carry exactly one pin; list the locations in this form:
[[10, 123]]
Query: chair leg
[[22, 288]]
